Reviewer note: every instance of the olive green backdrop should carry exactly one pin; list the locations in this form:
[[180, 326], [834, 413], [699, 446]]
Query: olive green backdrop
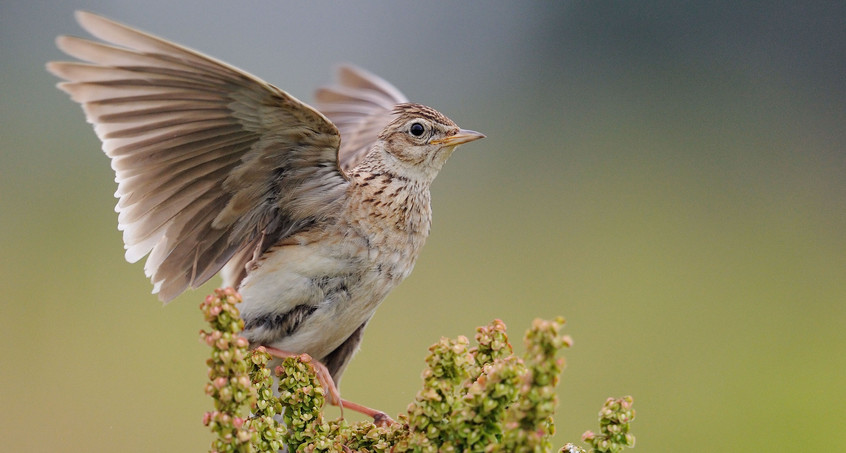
[[669, 176]]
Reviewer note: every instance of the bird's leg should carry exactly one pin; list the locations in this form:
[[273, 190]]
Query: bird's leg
[[380, 418], [323, 375], [334, 396]]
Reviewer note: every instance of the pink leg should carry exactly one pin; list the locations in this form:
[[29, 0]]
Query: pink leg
[[334, 396]]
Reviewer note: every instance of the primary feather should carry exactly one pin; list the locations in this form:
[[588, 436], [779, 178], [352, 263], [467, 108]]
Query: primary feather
[[209, 159]]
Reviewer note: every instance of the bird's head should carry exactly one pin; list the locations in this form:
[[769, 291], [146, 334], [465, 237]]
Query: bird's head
[[420, 139]]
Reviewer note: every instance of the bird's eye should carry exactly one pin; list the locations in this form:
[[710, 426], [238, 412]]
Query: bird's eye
[[417, 129]]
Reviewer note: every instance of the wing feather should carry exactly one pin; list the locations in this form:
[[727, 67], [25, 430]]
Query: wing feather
[[209, 159], [360, 105]]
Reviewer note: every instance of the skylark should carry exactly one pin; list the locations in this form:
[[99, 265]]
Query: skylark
[[314, 215]]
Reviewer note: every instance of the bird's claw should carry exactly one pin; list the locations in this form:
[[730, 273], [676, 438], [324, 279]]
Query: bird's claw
[[382, 420], [333, 396]]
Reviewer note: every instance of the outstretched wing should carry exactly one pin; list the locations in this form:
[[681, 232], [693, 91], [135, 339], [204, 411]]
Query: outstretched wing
[[210, 160], [361, 105]]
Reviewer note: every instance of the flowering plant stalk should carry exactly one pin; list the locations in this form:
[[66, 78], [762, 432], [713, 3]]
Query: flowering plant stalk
[[478, 397]]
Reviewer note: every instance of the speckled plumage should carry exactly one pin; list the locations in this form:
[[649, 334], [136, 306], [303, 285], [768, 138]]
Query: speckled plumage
[[313, 216]]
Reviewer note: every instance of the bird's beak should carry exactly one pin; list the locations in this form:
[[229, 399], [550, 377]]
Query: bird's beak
[[463, 136]]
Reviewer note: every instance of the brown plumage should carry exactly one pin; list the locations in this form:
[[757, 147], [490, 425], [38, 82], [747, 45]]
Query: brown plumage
[[313, 216]]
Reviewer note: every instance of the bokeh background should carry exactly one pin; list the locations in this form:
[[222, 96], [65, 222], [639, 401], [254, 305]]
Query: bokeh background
[[670, 176]]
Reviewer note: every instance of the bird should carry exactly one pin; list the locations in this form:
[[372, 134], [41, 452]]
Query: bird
[[314, 214]]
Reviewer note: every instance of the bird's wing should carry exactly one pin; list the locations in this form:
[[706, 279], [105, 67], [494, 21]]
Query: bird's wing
[[361, 105], [209, 160]]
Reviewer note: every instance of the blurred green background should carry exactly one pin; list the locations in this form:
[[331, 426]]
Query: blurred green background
[[670, 176]]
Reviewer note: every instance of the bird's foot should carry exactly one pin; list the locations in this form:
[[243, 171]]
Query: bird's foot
[[380, 418], [333, 395]]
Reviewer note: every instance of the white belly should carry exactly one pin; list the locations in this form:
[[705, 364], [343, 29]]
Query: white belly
[[342, 285]]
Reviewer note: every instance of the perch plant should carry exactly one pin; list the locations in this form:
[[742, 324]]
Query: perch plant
[[477, 397]]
